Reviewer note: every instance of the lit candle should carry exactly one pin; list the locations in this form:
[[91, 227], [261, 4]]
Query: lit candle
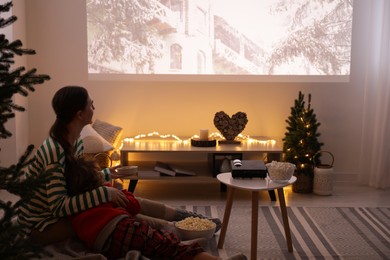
[[204, 134]]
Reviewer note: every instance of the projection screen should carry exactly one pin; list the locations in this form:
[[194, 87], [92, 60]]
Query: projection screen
[[219, 40]]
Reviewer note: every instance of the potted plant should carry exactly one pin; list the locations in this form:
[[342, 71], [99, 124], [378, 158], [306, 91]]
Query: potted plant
[[300, 143]]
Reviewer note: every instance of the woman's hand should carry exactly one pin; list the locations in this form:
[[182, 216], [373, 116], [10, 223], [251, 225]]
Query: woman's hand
[[118, 197]]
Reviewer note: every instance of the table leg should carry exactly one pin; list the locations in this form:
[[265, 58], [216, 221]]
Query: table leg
[[255, 219], [132, 185], [124, 158], [272, 195], [283, 209], [222, 187], [226, 216]]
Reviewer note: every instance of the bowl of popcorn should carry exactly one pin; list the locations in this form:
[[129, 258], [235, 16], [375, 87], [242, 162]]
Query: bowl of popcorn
[[280, 171], [194, 227]]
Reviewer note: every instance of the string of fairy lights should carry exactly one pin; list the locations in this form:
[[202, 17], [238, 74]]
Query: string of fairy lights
[[212, 136]]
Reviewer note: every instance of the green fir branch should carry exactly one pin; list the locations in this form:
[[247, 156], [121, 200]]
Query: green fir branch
[[14, 244]]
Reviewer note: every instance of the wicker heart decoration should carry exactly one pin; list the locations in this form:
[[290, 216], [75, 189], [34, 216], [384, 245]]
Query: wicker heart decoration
[[230, 128]]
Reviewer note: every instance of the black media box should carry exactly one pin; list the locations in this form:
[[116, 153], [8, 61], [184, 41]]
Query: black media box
[[249, 169]]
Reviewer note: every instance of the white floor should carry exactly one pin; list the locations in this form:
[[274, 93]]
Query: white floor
[[204, 193]]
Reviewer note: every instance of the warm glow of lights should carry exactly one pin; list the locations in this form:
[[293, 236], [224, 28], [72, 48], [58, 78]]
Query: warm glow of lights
[[116, 163], [214, 135], [287, 191]]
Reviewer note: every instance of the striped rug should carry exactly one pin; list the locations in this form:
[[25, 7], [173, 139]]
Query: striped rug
[[317, 232]]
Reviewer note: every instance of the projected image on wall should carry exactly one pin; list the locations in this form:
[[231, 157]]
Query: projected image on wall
[[213, 37]]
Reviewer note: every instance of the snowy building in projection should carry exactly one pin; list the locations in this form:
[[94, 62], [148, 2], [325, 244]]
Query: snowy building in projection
[[198, 42], [266, 37]]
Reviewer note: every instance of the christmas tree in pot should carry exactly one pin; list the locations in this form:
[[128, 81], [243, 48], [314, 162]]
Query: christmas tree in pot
[[301, 143]]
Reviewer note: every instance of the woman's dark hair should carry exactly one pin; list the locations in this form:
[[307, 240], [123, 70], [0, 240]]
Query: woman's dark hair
[[82, 174], [66, 102]]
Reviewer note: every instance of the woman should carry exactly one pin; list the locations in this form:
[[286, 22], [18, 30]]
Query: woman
[[115, 231], [45, 215]]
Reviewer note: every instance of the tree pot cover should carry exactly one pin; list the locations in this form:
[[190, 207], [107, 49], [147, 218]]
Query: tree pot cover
[[304, 183]]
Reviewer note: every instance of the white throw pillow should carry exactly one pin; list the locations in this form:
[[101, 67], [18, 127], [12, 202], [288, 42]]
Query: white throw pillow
[[111, 133], [93, 142]]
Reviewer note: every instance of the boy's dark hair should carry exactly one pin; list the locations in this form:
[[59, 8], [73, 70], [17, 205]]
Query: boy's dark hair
[[82, 174]]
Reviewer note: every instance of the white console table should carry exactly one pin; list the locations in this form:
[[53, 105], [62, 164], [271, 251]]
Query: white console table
[[176, 148]]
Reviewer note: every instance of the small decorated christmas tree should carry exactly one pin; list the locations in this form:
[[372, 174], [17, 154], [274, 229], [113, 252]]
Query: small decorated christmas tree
[[13, 244], [301, 143]]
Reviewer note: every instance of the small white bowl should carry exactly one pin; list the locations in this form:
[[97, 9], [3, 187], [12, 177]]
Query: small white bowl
[[189, 233], [127, 172]]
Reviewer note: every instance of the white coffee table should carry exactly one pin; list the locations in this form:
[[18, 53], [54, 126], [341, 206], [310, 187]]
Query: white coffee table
[[254, 185]]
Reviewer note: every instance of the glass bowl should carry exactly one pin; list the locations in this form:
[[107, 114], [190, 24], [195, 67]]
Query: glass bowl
[[280, 171]]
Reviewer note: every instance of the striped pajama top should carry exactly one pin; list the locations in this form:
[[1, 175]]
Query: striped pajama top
[[51, 202]]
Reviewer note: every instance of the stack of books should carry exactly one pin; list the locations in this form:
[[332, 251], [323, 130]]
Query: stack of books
[[171, 170]]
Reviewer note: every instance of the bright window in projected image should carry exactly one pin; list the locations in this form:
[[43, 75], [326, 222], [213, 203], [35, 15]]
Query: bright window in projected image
[[219, 38]]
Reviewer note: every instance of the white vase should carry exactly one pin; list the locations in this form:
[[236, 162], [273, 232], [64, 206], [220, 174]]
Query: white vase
[[225, 165]]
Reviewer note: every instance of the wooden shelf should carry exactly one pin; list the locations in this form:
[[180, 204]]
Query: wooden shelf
[[202, 170], [201, 160]]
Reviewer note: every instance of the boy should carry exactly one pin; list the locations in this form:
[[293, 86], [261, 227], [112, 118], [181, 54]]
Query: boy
[[114, 231]]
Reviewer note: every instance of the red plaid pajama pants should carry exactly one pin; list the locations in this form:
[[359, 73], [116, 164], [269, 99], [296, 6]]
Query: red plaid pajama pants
[[152, 243]]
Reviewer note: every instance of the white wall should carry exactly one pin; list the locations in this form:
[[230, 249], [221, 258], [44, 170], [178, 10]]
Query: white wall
[[56, 30]]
